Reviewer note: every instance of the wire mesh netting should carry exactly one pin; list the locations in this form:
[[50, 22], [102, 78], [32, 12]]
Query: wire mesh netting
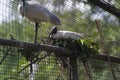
[[75, 15]]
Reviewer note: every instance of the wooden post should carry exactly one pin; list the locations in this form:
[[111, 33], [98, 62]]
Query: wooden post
[[73, 69]]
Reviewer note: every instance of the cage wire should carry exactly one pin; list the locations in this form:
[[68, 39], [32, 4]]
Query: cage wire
[[75, 15]]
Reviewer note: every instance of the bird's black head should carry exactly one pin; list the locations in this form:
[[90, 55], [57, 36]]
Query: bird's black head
[[53, 31]]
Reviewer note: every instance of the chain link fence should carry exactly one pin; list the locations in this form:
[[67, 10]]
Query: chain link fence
[[75, 15]]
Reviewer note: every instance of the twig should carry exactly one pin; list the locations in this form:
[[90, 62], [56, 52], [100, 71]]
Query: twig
[[65, 63], [85, 64], [104, 47], [5, 54], [11, 78], [39, 59], [58, 77]]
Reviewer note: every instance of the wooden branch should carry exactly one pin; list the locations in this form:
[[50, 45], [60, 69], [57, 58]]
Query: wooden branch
[[105, 58], [106, 6], [26, 45], [50, 48]]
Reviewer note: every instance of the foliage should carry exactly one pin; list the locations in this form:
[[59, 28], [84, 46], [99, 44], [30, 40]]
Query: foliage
[[84, 48]]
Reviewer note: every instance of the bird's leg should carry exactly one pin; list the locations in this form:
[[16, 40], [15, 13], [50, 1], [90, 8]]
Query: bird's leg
[[36, 25], [36, 32]]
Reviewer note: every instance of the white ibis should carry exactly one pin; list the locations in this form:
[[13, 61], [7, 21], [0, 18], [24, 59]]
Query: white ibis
[[37, 14], [66, 35]]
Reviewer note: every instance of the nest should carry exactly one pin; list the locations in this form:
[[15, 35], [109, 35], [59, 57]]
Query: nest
[[81, 48]]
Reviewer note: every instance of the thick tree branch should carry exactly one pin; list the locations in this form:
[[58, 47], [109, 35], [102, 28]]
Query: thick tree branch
[[50, 48], [32, 46], [106, 6]]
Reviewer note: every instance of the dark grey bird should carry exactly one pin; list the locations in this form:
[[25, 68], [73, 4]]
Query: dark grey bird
[[37, 14]]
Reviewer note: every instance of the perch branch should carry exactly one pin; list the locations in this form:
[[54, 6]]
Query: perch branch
[[50, 48], [26, 45]]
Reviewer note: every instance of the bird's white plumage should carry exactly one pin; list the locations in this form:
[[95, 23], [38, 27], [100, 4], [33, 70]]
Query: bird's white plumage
[[67, 35], [37, 13], [34, 12]]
